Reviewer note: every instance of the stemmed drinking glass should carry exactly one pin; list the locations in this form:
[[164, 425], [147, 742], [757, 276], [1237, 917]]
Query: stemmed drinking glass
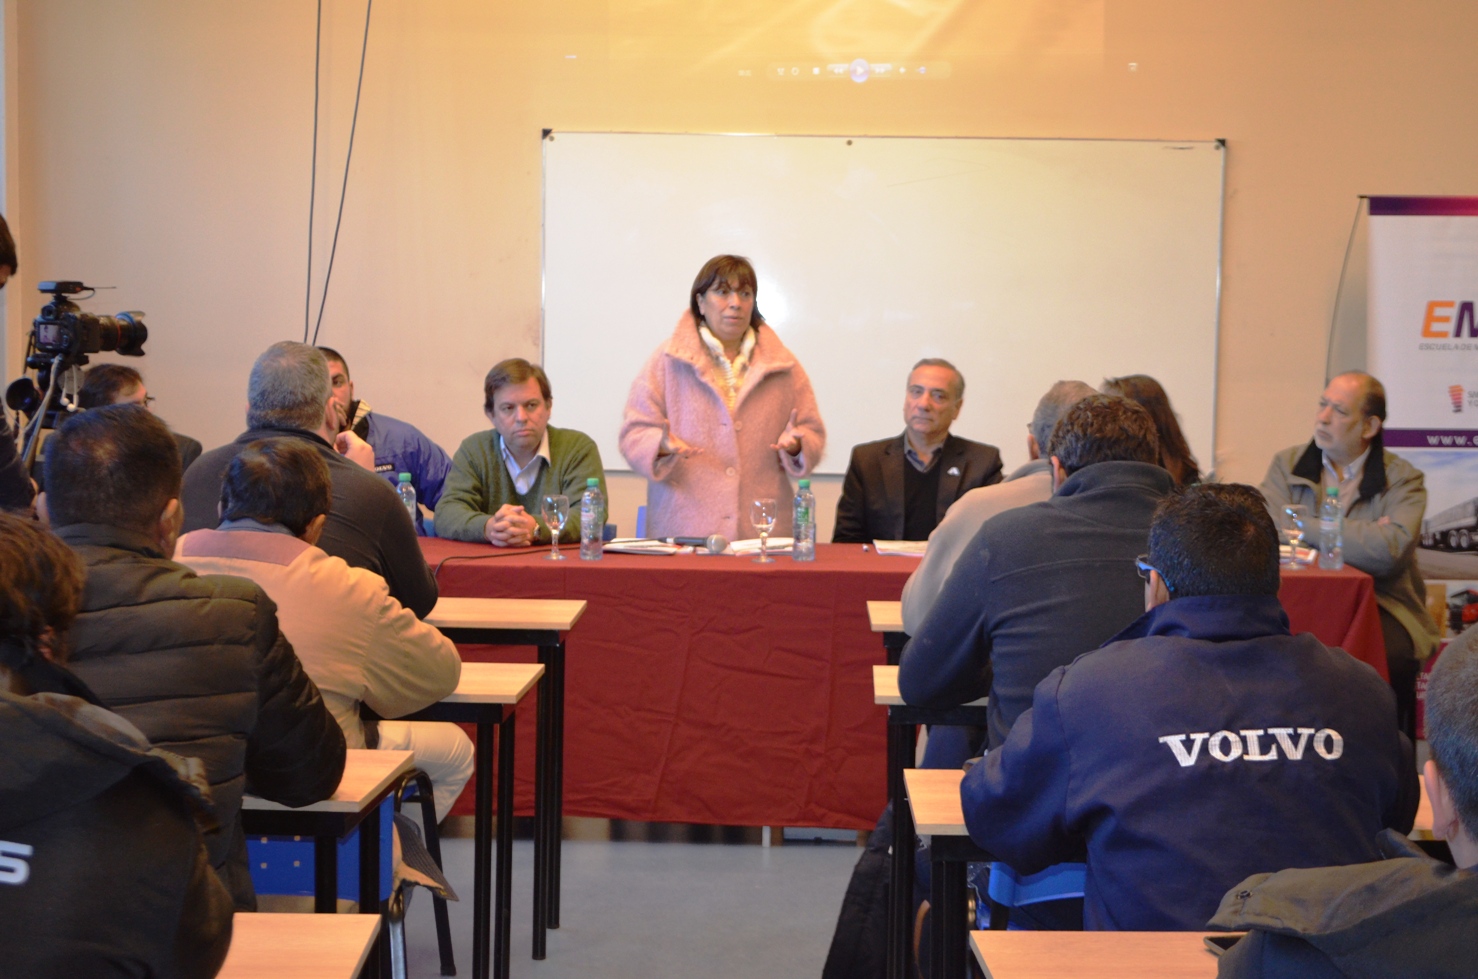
[[555, 510], [762, 514], [1296, 521]]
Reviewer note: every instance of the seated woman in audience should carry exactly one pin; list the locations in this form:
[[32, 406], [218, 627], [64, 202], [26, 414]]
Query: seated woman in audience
[[103, 868], [721, 414], [1175, 454]]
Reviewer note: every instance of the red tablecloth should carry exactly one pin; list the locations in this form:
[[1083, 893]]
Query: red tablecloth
[[715, 690], [1338, 607]]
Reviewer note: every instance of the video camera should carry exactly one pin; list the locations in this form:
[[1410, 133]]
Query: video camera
[[61, 338]]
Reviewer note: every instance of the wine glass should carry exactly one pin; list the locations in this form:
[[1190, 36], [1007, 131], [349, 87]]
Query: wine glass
[[555, 510], [762, 513], [1295, 524]]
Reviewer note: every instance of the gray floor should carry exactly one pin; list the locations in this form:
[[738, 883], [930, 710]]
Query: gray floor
[[647, 909]]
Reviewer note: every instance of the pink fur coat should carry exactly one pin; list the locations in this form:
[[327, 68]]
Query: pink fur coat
[[710, 493]]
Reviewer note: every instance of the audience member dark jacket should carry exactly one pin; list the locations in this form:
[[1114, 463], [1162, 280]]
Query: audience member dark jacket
[[1203, 744], [15, 485], [1038, 586], [199, 665], [103, 872], [368, 526], [1406, 915]]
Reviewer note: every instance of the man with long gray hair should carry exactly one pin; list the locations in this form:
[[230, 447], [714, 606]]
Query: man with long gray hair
[[289, 397]]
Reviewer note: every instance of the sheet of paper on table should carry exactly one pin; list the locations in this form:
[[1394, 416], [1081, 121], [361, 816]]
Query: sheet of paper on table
[[640, 545], [752, 546], [901, 548]]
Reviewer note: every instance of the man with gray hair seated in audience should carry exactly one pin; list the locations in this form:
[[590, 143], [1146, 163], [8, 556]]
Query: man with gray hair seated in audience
[[1404, 915], [289, 397], [358, 643], [1031, 483]]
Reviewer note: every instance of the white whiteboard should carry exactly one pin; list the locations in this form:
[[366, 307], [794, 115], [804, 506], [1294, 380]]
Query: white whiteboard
[[1021, 261]]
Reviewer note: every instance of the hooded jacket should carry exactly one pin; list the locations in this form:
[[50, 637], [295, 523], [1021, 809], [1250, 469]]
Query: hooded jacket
[[1405, 915], [103, 871], [199, 665]]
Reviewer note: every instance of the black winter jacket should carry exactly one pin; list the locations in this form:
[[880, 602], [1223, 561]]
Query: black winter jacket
[[103, 871], [199, 665], [1406, 915]]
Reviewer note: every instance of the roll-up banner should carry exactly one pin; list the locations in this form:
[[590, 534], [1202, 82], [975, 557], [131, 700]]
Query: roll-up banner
[[1422, 342]]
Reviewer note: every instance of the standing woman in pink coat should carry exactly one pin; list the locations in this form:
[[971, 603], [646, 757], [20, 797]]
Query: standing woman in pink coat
[[721, 414]]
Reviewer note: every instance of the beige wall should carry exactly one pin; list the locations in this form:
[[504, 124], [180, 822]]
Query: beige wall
[[163, 147]]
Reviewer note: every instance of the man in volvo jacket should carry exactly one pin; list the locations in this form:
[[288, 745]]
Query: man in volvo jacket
[[1203, 744]]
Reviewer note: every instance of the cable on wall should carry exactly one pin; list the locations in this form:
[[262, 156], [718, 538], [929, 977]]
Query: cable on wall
[[344, 188]]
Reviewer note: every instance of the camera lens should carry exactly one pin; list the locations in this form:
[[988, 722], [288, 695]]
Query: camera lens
[[124, 333]]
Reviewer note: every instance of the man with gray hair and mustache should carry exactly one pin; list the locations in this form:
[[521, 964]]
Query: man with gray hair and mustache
[[289, 396], [1031, 483]]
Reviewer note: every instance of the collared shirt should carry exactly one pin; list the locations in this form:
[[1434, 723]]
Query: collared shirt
[[1346, 479], [523, 478], [731, 372], [915, 461]]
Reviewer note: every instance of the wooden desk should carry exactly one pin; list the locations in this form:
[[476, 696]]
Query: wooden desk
[[369, 776], [485, 696], [903, 721], [934, 800], [1099, 954], [542, 623], [281, 946]]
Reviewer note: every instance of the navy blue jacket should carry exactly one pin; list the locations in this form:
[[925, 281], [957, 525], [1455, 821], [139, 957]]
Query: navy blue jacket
[[1037, 587], [1203, 745]]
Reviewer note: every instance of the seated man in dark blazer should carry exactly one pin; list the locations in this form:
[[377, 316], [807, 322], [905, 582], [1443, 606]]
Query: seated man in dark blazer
[[899, 488]]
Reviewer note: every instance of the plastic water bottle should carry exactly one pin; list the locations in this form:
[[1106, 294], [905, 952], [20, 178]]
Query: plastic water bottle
[[407, 494], [592, 521], [1331, 532], [805, 524]]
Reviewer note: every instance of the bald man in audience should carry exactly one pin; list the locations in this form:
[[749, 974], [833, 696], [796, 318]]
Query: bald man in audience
[[1031, 483], [1383, 498]]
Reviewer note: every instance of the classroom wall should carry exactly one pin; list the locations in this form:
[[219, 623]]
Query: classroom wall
[[164, 147]]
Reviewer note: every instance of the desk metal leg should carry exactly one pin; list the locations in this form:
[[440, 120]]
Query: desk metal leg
[[557, 778], [901, 744], [369, 887], [482, 850], [325, 874], [949, 931], [543, 801], [503, 905]]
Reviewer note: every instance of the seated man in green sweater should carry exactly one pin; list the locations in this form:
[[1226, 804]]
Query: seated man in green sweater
[[499, 477]]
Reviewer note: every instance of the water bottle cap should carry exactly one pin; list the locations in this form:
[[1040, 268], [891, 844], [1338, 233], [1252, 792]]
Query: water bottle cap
[[1331, 491], [805, 484], [405, 477], [591, 482]]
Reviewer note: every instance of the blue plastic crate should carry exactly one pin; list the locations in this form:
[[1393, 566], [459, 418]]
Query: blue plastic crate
[[284, 864]]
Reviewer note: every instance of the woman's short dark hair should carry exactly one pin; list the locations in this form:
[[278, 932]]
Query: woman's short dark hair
[[41, 582], [725, 268], [281, 480], [106, 384], [1215, 539], [1175, 453], [514, 370]]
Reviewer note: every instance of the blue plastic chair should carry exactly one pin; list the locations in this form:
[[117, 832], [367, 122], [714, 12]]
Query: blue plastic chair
[[1007, 889]]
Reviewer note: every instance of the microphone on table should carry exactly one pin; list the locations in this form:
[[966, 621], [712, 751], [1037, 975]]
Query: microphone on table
[[713, 543]]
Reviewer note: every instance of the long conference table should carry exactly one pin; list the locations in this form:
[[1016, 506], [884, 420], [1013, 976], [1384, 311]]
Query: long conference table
[[709, 689]]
